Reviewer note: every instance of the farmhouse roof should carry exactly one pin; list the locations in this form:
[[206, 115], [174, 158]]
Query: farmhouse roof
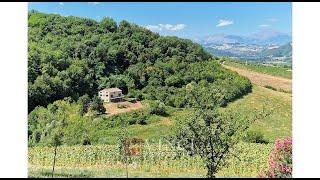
[[111, 89]]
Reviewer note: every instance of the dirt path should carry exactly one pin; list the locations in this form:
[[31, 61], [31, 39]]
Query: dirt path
[[264, 79], [121, 107]]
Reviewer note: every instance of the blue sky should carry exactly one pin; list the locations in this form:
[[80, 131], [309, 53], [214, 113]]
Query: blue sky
[[187, 20]]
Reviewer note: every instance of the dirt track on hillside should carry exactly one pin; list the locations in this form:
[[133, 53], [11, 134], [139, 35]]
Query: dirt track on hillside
[[264, 79]]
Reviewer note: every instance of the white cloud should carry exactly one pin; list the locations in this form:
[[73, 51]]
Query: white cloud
[[264, 25], [153, 27], [272, 19], [61, 3], [94, 3], [224, 22], [169, 27]]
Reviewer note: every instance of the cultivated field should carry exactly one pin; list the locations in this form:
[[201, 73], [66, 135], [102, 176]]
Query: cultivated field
[[102, 161], [279, 71], [265, 80]]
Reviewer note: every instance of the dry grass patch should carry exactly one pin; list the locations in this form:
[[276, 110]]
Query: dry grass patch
[[122, 107]]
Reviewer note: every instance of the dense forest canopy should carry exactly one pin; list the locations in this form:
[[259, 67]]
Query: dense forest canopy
[[73, 56]]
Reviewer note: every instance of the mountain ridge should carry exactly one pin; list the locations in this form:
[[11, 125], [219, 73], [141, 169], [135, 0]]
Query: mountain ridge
[[266, 37]]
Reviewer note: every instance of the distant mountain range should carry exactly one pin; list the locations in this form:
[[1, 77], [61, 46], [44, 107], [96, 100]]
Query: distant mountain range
[[280, 51], [266, 46], [265, 37]]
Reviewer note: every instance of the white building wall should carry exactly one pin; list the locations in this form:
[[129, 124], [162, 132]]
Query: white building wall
[[106, 96]]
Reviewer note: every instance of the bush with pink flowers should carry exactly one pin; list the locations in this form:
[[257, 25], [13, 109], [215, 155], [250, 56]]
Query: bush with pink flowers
[[280, 160]]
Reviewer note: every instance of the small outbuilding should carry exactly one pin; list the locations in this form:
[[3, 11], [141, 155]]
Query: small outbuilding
[[111, 95]]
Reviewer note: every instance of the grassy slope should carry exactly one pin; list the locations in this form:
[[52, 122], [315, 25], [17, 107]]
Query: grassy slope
[[278, 123], [274, 71], [253, 157], [156, 128]]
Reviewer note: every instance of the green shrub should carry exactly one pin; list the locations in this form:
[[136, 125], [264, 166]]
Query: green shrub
[[84, 102], [157, 108], [138, 117], [135, 95], [96, 106], [131, 100], [253, 136]]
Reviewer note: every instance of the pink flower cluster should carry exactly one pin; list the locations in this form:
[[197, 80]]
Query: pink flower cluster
[[280, 160]]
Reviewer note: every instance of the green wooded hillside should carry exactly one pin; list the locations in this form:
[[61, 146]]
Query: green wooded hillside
[[73, 56]]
